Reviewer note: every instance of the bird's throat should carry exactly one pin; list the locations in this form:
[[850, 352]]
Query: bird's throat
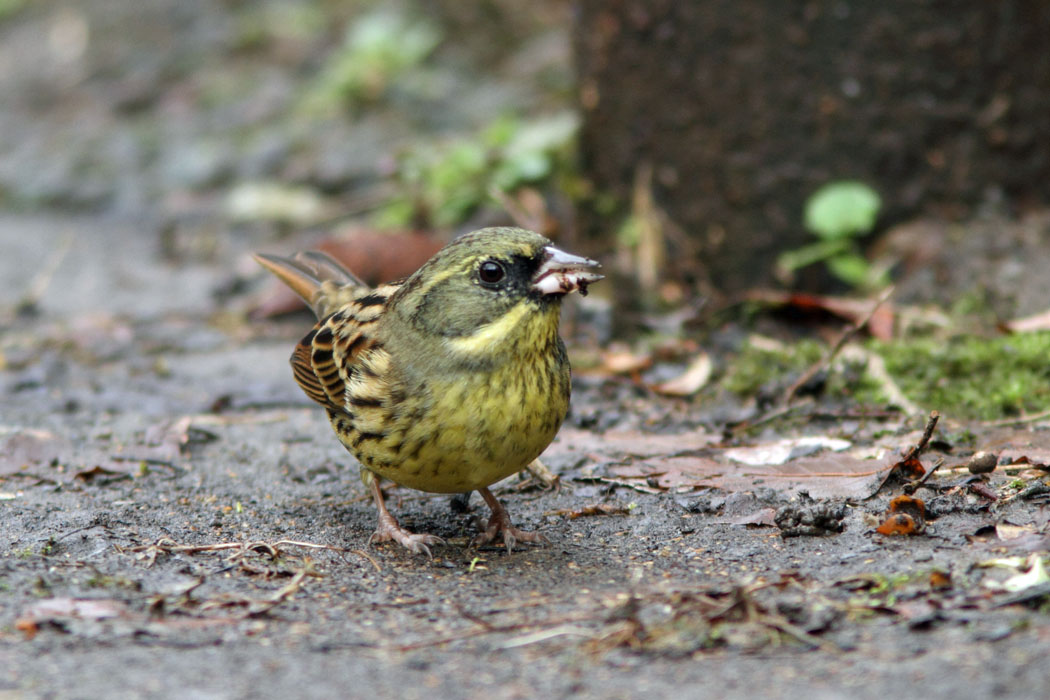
[[525, 325]]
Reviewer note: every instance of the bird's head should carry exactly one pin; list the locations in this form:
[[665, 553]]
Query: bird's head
[[492, 289]]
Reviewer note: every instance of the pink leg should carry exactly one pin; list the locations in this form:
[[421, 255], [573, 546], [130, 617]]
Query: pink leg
[[389, 529], [500, 520]]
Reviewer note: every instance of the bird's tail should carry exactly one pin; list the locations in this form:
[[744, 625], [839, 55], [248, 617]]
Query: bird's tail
[[319, 279]]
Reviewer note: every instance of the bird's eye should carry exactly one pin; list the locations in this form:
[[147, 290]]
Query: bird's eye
[[491, 272]]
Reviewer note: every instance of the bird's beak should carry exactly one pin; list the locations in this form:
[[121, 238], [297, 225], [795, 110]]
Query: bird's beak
[[561, 273]]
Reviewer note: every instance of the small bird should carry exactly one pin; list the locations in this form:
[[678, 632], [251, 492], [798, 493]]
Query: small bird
[[448, 380]]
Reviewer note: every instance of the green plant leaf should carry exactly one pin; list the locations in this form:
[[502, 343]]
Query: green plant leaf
[[842, 210], [850, 268]]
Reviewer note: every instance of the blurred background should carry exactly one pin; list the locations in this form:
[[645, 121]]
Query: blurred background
[[727, 162], [206, 120]]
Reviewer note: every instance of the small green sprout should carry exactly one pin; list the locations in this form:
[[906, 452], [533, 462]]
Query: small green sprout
[[838, 214]]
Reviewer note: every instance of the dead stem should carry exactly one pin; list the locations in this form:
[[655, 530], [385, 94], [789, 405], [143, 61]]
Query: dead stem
[[166, 545], [836, 347]]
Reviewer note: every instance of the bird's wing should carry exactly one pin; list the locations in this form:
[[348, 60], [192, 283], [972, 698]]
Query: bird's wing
[[340, 359]]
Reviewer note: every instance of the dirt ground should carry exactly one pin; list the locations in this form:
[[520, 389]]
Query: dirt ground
[[107, 489], [178, 521]]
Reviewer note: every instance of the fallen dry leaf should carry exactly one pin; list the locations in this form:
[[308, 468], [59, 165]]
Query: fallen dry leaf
[[785, 450], [59, 610], [167, 439], [28, 447], [908, 504], [1035, 576], [910, 468], [940, 580], [625, 362], [597, 509], [1006, 531], [880, 325], [691, 381], [689, 461], [823, 476], [763, 517], [1029, 324], [617, 444], [91, 473]]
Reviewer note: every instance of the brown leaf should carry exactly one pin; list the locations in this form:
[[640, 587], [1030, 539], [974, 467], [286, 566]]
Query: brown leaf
[[671, 462], [910, 468], [167, 439], [917, 612], [597, 509], [880, 325], [90, 473], [940, 580], [377, 256], [1006, 531], [824, 476]]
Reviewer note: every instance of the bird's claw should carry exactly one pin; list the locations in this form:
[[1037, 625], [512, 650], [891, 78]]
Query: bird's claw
[[511, 535], [500, 520], [389, 530]]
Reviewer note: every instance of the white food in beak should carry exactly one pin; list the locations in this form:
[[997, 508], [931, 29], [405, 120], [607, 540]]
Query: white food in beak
[[563, 272]]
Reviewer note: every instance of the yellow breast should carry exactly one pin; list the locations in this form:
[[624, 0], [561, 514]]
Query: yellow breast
[[474, 431], [467, 429]]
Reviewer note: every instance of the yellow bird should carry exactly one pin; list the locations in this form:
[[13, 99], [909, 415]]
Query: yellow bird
[[449, 380]]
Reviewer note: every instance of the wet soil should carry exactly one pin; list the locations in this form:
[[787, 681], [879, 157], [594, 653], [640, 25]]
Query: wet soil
[[670, 591]]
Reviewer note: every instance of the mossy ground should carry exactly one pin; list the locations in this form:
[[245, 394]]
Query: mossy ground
[[966, 377], [971, 376]]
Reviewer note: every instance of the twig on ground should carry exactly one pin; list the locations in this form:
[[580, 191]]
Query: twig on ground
[[1030, 418], [166, 545], [778, 412], [836, 347], [261, 607], [927, 433], [876, 367], [914, 486], [42, 279], [492, 629]]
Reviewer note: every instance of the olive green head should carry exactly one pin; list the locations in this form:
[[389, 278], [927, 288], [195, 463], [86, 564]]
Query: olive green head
[[489, 287]]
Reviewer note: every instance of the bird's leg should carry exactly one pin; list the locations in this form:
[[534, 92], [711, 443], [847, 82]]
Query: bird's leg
[[500, 520], [389, 529]]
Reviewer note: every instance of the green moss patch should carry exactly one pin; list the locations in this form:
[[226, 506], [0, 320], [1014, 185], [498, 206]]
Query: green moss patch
[[973, 377]]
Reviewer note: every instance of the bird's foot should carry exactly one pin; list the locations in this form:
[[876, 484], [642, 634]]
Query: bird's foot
[[388, 529], [499, 521]]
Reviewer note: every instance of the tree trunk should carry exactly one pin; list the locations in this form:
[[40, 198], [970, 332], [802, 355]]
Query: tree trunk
[[742, 108]]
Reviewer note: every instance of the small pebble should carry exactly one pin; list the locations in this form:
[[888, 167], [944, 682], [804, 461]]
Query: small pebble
[[982, 462]]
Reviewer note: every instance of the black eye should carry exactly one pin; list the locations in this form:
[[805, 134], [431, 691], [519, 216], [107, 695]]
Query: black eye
[[491, 272]]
